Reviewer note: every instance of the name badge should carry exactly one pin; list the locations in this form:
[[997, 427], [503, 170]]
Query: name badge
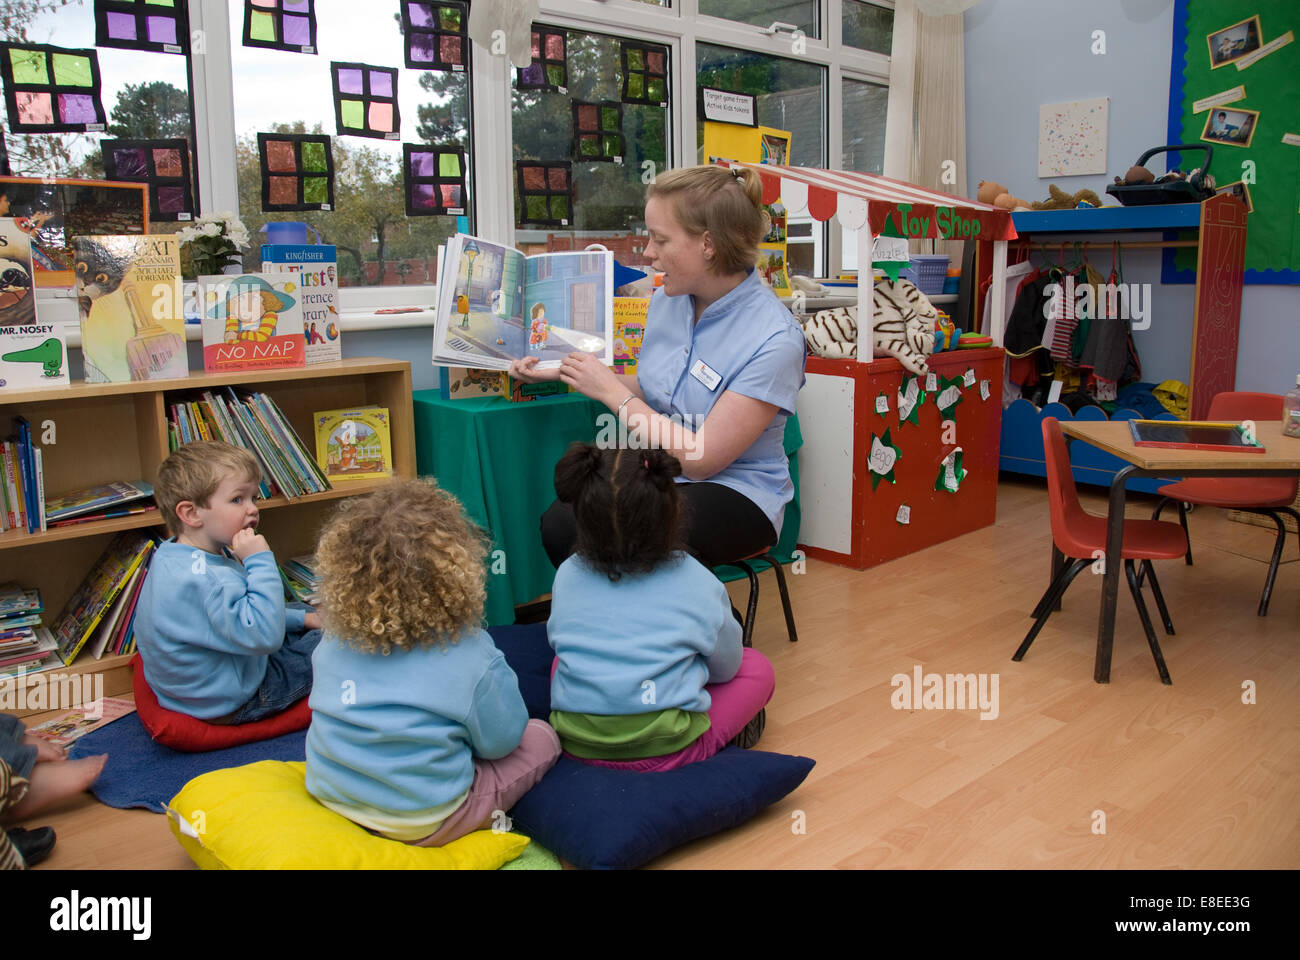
[[702, 372]]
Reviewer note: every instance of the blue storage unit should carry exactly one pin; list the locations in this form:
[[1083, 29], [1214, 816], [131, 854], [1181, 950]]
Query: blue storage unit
[[1022, 445]]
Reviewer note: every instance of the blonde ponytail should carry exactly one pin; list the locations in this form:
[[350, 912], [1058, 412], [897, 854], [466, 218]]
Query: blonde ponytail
[[728, 203]]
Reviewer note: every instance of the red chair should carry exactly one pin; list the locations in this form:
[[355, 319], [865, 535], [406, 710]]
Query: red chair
[[1266, 495], [1081, 537]]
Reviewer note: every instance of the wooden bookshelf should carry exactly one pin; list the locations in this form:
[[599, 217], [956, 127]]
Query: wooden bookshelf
[[118, 431]]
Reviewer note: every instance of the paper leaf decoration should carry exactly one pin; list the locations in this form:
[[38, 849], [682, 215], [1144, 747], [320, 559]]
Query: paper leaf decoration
[[948, 398], [951, 473], [51, 89], [160, 26], [288, 25], [297, 171], [433, 180], [598, 131], [550, 67], [882, 459], [162, 164], [365, 100], [545, 192], [910, 398], [436, 34], [645, 73]]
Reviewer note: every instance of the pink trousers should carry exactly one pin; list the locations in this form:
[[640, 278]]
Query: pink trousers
[[734, 704]]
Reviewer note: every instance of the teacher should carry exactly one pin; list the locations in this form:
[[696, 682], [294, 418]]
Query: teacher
[[721, 363]]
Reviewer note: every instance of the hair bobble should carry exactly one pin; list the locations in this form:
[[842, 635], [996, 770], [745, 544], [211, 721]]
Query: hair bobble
[[738, 173]]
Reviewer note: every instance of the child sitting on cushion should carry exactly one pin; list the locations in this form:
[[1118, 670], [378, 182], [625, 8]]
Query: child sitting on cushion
[[217, 640], [651, 673], [418, 730]]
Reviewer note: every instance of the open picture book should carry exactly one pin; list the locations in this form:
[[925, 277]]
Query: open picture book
[[496, 305]]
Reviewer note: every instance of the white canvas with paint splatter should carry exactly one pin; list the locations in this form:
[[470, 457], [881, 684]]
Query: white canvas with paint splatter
[[1072, 137]]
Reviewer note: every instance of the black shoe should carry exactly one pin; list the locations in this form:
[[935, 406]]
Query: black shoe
[[749, 737], [33, 845]]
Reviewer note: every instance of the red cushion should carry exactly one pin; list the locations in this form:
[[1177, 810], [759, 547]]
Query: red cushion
[[191, 735]]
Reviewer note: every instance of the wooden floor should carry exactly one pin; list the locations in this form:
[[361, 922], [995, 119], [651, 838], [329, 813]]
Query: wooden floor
[[1069, 774]]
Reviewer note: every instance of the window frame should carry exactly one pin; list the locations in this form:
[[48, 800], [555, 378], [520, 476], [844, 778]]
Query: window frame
[[679, 27]]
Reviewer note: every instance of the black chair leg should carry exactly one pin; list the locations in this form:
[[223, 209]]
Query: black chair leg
[[1134, 589], [785, 597], [1278, 544], [1182, 519], [1048, 603], [751, 608], [1164, 502], [1160, 597]]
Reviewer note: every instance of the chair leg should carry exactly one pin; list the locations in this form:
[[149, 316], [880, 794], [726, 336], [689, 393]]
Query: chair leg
[[1278, 544], [1164, 502], [1048, 603], [785, 597], [1160, 597], [1131, 573], [751, 611], [1058, 564], [1182, 519]]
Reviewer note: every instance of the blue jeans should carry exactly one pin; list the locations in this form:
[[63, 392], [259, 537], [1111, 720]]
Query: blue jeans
[[288, 677], [13, 748]]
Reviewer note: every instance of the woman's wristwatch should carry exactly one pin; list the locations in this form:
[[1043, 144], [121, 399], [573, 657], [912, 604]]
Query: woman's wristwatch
[[626, 400]]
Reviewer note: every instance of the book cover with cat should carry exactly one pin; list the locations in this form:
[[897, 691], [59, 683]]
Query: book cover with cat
[[354, 444], [132, 315], [251, 322], [317, 267], [32, 354]]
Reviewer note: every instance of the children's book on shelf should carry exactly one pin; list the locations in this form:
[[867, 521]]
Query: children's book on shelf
[[315, 265], [17, 601], [131, 307], [41, 656], [354, 444], [32, 353], [251, 322], [99, 591], [496, 305], [24, 480], [75, 724], [470, 383], [629, 331], [98, 498]]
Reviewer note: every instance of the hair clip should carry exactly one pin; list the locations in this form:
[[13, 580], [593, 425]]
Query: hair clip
[[738, 173]]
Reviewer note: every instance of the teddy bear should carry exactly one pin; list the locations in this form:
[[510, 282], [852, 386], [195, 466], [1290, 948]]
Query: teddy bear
[[1060, 200], [999, 196]]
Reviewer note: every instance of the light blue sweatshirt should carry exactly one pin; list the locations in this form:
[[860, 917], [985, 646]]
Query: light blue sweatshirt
[[205, 625], [644, 643], [399, 732]]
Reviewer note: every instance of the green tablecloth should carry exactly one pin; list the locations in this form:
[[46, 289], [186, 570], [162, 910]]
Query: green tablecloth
[[498, 458]]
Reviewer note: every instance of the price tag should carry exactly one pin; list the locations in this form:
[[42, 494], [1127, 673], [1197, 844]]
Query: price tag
[[984, 389], [904, 514], [969, 378], [882, 404], [931, 383]]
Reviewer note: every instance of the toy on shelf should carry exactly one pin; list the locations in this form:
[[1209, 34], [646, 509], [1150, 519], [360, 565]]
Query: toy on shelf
[[1060, 200], [1140, 187], [904, 327], [1000, 196]]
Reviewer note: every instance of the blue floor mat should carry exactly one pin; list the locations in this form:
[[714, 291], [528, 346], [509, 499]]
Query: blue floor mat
[[142, 773]]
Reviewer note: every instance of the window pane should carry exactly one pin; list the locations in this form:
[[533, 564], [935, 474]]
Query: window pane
[[864, 126], [763, 13], [145, 96], [868, 26], [378, 243], [559, 136], [791, 95]]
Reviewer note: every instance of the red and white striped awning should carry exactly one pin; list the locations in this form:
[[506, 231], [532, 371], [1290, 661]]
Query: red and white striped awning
[[864, 198]]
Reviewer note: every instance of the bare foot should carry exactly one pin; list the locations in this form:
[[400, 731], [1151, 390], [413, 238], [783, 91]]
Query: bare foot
[[52, 782], [45, 751]]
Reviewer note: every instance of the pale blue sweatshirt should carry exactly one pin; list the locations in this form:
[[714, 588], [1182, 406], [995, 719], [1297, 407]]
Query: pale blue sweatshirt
[[646, 642], [398, 733], [205, 625]]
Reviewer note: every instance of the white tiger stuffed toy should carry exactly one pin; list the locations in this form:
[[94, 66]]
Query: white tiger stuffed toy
[[904, 327]]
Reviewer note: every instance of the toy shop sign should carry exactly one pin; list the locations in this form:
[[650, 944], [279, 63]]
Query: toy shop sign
[[885, 205]]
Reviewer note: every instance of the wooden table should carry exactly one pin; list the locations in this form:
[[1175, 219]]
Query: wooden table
[[1281, 458]]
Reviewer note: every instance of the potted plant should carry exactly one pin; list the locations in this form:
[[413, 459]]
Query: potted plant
[[214, 243]]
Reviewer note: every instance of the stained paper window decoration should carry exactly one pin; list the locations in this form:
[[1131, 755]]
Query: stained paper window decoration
[[365, 100], [280, 24], [162, 164], [545, 192], [297, 171], [433, 180], [51, 89], [161, 26], [436, 34], [645, 73], [598, 131], [550, 68]]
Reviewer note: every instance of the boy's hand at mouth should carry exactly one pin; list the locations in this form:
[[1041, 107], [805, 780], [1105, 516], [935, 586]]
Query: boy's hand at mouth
[[248, 542]]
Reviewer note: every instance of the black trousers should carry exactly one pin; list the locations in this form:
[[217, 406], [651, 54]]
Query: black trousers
[[721, 525]]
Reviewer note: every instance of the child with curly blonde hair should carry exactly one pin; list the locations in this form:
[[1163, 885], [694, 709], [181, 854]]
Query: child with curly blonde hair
[[418, 729]]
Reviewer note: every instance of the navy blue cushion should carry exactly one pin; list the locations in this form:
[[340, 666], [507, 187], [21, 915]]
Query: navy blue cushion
[[529, 654], [602, 819]]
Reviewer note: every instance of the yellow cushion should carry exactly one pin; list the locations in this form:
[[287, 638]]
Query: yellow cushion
[[261, 817]]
